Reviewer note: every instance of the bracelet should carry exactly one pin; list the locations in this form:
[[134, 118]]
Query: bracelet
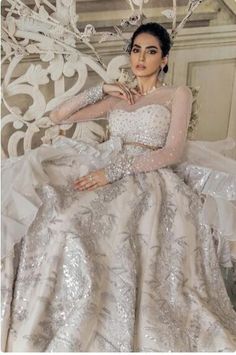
[[94, 94]]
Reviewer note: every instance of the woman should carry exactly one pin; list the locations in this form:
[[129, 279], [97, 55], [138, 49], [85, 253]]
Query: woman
[[113, 256]]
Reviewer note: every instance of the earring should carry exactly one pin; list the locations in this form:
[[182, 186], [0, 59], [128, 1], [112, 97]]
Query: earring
[[161, 75]]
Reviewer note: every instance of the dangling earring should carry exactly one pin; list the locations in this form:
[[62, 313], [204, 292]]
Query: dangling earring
[[161, 75]]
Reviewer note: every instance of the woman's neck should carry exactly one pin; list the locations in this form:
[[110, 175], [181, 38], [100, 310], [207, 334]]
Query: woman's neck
[[145, 85]]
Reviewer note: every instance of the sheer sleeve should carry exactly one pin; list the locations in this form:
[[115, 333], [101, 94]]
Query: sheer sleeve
[[87, 105], [171, 153]]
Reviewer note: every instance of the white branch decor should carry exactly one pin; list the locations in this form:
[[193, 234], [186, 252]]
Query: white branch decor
[[51, 33]]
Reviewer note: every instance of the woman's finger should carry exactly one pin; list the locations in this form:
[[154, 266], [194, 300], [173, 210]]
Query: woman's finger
[[135, 92], [124, 92], [121, 94], [131, 94], [95, 186], [81, 182], [90, 181], [127, 92], [84, 179], [85, 186]]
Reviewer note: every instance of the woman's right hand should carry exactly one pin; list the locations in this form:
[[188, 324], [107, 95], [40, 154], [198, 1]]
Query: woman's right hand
[[120, 90]]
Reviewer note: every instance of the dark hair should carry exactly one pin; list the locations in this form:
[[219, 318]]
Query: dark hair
[[158, 31]]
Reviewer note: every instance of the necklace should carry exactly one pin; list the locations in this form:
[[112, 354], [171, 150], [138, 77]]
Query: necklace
[[152, 89]]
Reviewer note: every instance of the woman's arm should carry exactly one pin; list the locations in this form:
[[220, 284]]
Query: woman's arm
[[64, 113], [91, 103], [170, 153]]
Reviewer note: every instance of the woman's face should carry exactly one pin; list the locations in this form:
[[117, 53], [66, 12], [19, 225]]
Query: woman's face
[[146, 55]]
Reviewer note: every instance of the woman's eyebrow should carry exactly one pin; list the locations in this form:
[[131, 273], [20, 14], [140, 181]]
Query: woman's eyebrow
[[136, 45]]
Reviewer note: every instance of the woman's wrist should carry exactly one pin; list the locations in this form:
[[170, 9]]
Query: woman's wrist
[[122, 166], [94, 94], [104, 88]]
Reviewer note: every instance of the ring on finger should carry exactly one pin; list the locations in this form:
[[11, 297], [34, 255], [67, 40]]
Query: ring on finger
[[90, 177]]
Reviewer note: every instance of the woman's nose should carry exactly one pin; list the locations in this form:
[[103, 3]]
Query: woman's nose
[[142, 56]]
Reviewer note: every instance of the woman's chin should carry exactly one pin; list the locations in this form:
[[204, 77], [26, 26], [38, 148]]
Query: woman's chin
[[140, 73]]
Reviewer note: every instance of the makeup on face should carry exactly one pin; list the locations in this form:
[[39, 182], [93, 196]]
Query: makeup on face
[[152, 50], [146, 54], [149, 49]]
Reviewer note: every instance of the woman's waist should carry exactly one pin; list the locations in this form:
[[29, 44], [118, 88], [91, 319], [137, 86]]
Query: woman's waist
[[142, 145], [129, 143], [116, 144]]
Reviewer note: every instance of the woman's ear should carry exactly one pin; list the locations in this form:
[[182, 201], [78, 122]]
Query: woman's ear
[[164, 61], [164, 64]]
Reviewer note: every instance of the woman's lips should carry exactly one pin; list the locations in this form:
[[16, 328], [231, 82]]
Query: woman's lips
[[140, 67]]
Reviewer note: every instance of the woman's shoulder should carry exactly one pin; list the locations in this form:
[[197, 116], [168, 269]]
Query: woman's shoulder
[[179, 91], [184, 89]]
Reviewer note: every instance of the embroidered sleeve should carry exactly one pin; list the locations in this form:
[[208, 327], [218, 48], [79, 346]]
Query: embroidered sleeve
[[172, 151], [85, 106], [121, 167]]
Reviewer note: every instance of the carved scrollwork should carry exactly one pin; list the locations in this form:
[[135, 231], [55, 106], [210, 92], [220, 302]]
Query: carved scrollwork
[[51, 33]]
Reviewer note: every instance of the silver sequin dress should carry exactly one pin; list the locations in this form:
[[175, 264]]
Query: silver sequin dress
[[128, 267]]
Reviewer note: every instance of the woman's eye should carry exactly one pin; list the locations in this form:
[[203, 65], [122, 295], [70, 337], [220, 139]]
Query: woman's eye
[[135, 50], [152, 51]]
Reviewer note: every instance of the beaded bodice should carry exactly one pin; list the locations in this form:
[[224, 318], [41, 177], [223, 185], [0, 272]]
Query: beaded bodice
[[147, 125], [159, 120]]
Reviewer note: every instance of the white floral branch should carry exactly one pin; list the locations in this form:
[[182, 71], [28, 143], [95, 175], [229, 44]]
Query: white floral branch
[[63, 38], [192, 5]]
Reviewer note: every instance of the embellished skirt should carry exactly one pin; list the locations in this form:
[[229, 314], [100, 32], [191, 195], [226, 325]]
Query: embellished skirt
[[131, 266]]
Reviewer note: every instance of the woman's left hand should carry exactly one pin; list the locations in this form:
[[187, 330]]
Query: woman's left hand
[[91, 181]]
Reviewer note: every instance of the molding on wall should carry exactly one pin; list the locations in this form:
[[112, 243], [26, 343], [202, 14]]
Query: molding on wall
[[188, 38], [215, 107]]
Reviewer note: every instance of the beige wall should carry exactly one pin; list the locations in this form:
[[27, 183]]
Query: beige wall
[[206, 57]]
